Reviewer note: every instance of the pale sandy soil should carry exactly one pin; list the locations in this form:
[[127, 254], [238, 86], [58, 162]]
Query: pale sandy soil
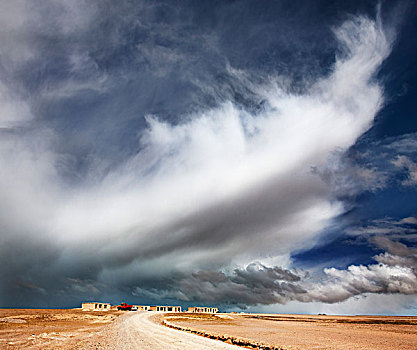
[[306, 332], [49, 329], [142, 330], [75, 329]]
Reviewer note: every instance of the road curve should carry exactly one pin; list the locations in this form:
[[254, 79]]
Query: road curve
[[136, 330]]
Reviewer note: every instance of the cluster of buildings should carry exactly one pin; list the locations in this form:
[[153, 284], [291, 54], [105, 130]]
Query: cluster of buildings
[[100, 306]]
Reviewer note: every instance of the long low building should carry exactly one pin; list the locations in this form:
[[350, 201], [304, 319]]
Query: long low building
[[165, 308], [205, 310], [95, 306], [143, 307]]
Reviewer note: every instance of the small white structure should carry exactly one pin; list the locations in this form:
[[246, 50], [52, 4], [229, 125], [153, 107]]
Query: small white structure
[[95, 306], [165, 308], [143, 307], [205, 310]]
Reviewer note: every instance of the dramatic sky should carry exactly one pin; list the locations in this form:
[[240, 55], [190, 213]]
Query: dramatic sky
[[253, 155]]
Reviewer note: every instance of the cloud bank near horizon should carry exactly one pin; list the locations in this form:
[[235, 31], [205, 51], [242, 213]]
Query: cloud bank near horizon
[[203, 196]]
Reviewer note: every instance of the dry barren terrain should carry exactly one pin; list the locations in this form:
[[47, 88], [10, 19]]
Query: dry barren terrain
[[49, 329], [76, 329], [304, 332], [143, 331]]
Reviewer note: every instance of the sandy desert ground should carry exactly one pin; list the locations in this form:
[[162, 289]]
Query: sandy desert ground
[[144, 331], [306, 332], [76, 329], [73, 329], [49, 329]]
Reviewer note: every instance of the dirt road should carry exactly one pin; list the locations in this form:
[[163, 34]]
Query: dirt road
[[137, 330]]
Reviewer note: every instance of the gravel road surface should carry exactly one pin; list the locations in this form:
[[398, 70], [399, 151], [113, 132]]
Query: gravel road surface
[[136, 330]]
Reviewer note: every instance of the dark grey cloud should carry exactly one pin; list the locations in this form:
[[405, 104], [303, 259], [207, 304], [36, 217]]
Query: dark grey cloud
[[255, 284], [394, 273], [252, 285]]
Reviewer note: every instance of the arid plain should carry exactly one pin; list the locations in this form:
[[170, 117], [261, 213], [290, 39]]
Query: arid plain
[[49, 328], [305, 332], [76, 329]]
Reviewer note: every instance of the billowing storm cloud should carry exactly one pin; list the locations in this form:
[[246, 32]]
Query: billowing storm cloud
[[138, 161], [394, 273]]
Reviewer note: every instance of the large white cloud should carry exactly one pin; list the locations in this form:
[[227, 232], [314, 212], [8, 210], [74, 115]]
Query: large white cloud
[[223, 185], [255, 168]]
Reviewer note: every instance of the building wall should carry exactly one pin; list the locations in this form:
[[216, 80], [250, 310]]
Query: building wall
[[142, 307], [201, 309], [97, 306], [166, 308]]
